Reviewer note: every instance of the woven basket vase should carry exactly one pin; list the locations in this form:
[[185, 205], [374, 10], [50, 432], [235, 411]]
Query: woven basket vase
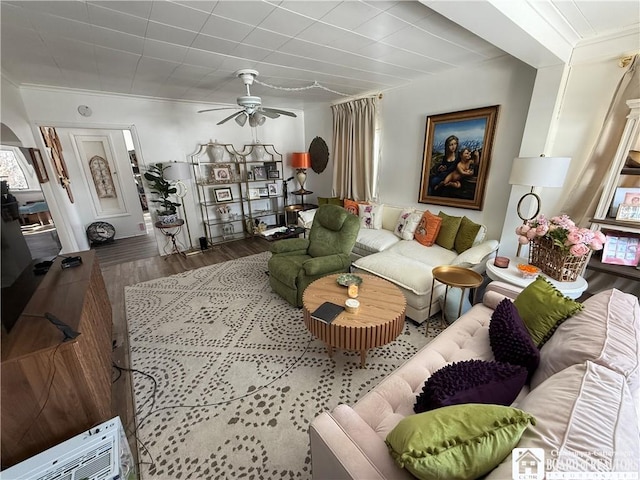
[[548, 257]]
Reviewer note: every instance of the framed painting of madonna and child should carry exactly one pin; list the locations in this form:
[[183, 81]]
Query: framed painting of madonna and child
[[457, 154]]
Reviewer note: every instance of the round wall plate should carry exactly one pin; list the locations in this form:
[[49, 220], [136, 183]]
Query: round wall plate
[[319, 154]]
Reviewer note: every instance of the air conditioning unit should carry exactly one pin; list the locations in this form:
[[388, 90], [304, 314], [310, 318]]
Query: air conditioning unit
[[100, 453]]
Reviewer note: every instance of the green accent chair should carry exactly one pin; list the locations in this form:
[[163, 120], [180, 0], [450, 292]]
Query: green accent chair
[[297, 262]]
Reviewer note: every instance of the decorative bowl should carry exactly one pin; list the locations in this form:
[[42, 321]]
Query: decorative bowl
[[528, 271], [347, 279]]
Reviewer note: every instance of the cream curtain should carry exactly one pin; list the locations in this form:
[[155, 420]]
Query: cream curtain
[[582, 202], [354, 132]]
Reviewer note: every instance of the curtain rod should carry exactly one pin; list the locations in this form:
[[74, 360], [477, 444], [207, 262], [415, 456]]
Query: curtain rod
[[350, 99]]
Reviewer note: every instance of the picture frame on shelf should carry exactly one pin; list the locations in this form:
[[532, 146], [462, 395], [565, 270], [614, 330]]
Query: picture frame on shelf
[[621, 250], [275, 189], [259, 173], [254, 193], [263, 192], [223, 194], [628, 212], [457, 177], [273, 174], [619, 198], [249, 176], [221, 174]]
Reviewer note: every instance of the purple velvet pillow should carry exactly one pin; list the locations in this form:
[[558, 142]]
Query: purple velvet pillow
[[471, 381], [509, 338]]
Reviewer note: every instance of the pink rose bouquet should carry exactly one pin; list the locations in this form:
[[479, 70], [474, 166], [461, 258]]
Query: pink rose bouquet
[[563, 232]]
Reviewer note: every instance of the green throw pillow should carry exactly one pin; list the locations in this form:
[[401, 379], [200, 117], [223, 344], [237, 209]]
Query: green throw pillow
[[448, 230], [457, 442], [330, 201], [543, 308], [466, 235]]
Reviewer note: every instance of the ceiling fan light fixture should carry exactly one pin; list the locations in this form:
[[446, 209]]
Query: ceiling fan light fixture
[[241, 119]]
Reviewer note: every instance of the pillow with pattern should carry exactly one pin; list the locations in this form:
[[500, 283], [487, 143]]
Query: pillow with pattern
[[428, 229], [407, 224], [370, 216]]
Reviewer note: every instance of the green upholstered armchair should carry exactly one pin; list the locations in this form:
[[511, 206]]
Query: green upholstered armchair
[[296, 262]]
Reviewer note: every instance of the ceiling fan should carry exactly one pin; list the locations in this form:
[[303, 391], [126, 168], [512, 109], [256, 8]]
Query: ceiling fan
[[252, 108]]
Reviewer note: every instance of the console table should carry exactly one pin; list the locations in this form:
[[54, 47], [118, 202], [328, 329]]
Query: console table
[[54, 389]]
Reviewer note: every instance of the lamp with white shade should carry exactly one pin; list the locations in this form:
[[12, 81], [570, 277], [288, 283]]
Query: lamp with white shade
[[178, 171], [537, 172]]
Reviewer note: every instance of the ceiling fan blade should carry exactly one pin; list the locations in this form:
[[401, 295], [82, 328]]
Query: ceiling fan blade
[[281, 112], [233, 115], [214, 109], [269, 113]]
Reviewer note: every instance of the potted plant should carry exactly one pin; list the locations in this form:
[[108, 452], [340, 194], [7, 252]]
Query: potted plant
[[164, 189]]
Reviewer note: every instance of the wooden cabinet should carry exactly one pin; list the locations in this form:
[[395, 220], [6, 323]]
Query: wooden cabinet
[[623, 176], [54, 389]]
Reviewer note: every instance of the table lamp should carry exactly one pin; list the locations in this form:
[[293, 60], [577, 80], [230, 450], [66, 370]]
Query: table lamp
[[301, 161], [537, 172]]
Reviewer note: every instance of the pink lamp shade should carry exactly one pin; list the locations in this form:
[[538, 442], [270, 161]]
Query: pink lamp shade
[[301, 160]]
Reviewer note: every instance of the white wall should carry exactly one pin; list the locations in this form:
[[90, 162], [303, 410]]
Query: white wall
[[164, 130], [318, 123], [506, 82]]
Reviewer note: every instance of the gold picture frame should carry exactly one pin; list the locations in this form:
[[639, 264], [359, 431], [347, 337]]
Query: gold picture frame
[[457, 156]]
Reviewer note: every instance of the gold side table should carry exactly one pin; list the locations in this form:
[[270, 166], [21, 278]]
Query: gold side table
[[452, 276]]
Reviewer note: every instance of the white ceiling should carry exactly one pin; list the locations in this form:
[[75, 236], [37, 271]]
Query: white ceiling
[[190, 50]]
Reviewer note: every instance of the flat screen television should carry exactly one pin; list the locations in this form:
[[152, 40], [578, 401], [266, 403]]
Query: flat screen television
[[100, 453]]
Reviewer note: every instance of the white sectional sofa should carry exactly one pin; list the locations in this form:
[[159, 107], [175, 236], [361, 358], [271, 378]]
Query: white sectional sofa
[[408, 264], [584, 395]]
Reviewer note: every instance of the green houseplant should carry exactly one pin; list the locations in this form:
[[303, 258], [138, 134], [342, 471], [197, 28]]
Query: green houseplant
[[164, 189]]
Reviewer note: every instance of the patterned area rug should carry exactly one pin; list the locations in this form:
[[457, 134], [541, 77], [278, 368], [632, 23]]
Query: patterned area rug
[[231, 378]]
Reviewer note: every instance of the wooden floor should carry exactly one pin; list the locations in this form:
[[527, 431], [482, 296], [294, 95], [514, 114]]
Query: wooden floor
[[117, 275]]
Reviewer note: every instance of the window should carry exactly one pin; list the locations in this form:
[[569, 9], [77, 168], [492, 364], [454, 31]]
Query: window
[[15, 170]]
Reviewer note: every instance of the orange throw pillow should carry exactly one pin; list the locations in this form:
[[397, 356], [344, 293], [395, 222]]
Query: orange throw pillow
[[428, 229], [351, 206]]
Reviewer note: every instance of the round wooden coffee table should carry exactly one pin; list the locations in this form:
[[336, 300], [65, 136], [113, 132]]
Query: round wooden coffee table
[[379, 320]]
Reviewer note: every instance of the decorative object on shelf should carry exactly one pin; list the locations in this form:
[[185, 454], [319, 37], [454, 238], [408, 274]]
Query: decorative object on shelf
[[620, 249], [223, 194], [162, 187], [275, 189], [100, 233], [455, 166], [215, 152], [259, 173], [254, 193], [557, 246], [319, 154], [301, 161], [273, 174], [629, 209], [263, 192], [222, 174], [227, 230], [537, 172], [633, 159], [224, 211]]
